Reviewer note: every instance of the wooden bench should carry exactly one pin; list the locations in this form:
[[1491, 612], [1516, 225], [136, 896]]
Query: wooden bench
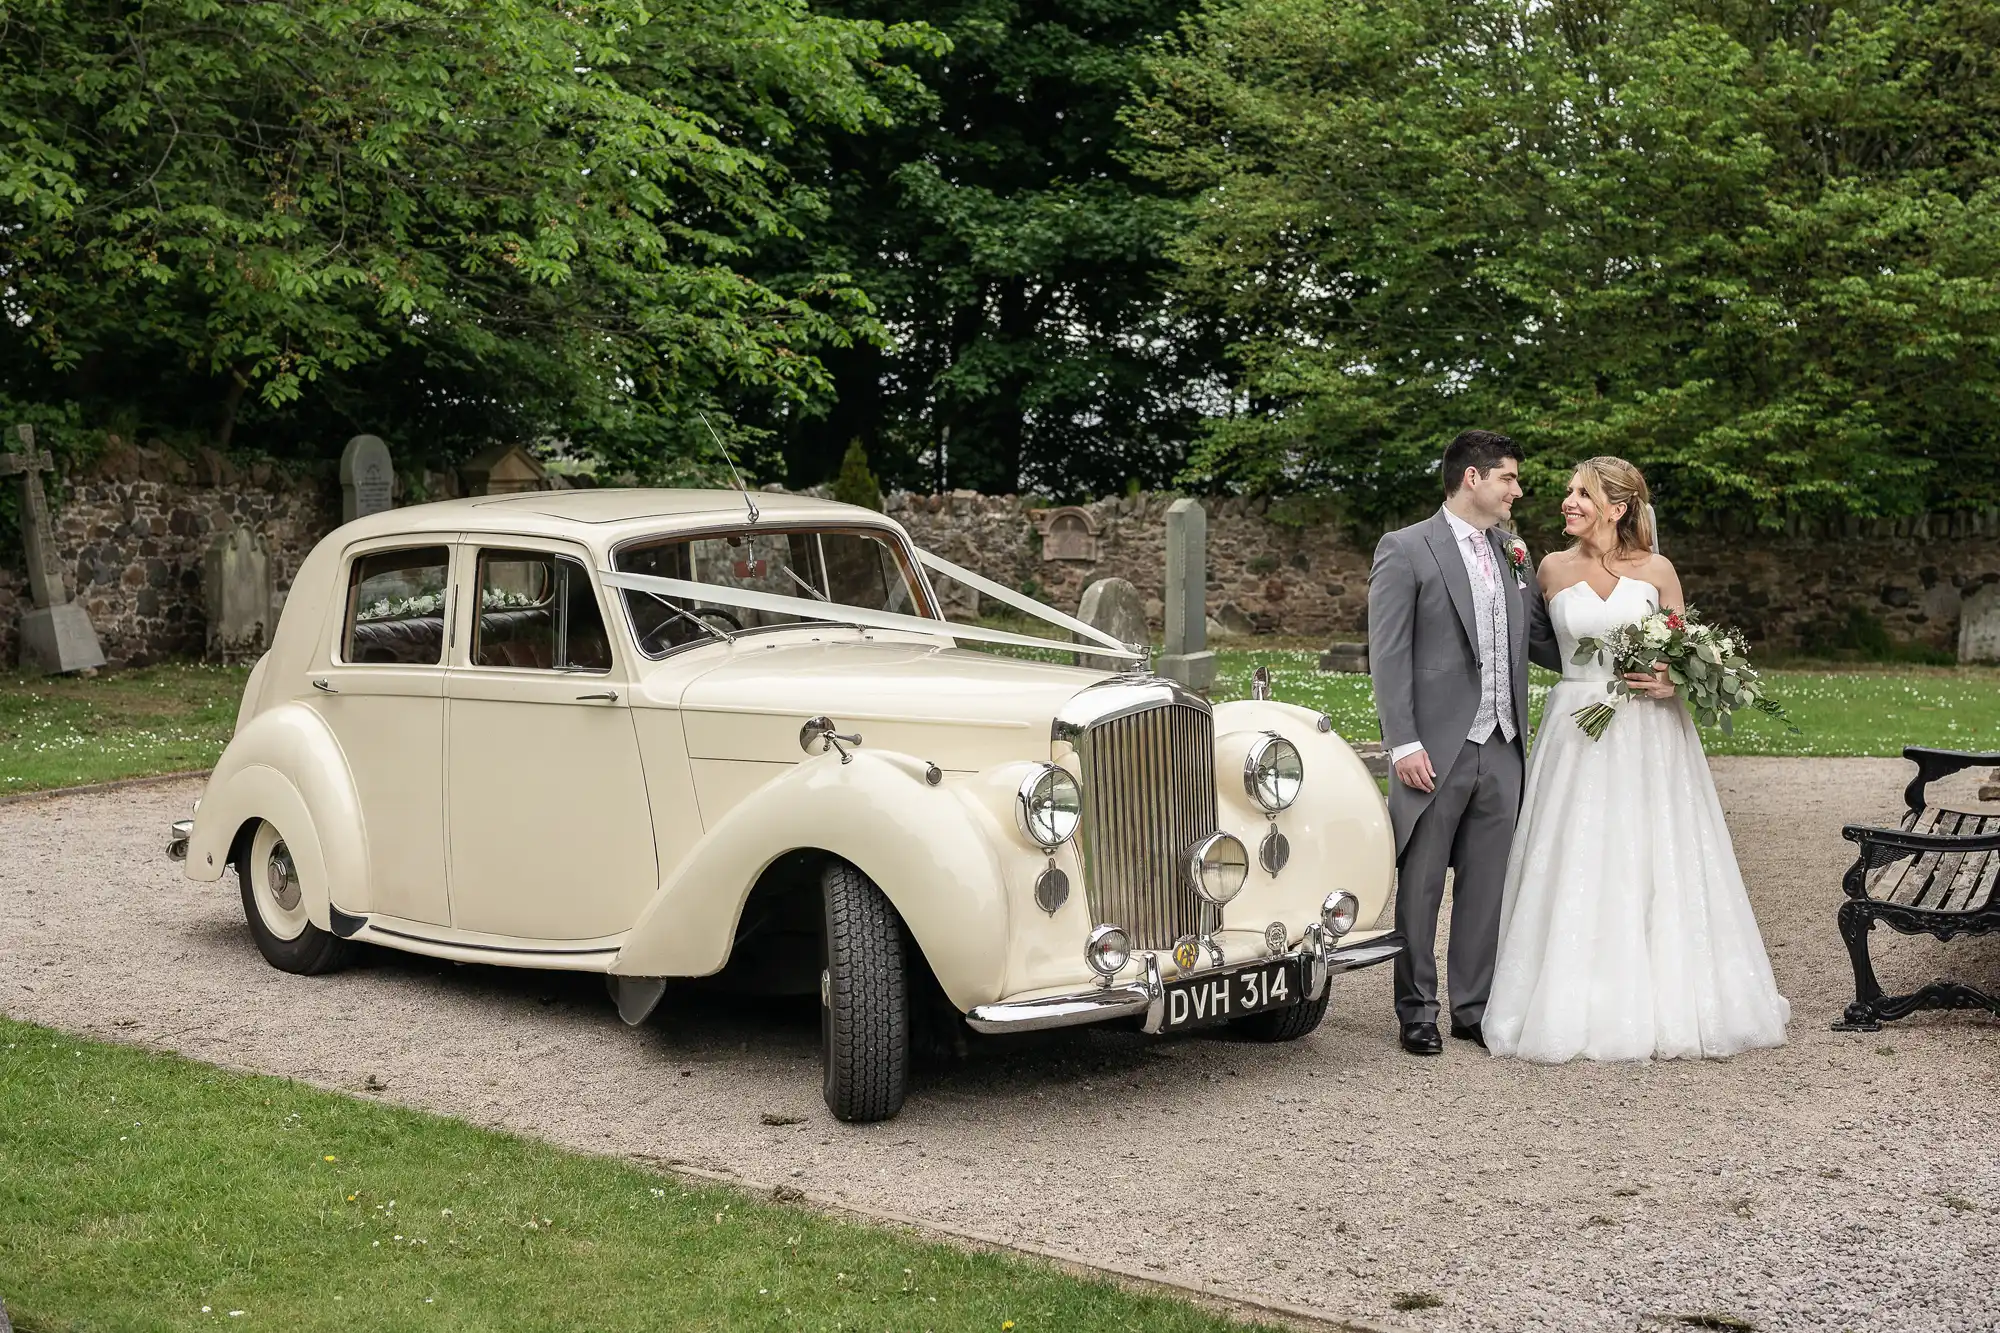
[[1935, 874]]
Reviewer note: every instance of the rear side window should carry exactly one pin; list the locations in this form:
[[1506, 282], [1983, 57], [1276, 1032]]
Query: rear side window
[[395, 607], [537, 612]]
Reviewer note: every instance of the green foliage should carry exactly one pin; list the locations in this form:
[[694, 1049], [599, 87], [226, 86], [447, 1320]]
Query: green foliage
[[856, 485], [1752, 246], [1017, 258], [274, 222]]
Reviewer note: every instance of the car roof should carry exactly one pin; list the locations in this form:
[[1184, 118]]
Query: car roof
[[611, 514]]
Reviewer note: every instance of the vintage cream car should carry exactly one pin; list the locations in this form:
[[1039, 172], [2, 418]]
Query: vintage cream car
[[662, 734]]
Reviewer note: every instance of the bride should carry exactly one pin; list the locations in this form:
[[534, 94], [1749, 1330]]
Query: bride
[[1625, 931]]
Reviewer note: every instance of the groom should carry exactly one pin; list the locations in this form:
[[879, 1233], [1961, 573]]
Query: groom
[[1452, 624]]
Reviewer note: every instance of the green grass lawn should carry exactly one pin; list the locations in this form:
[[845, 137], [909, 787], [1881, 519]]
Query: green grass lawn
[[1846, 710], [161, 719], [59, 731], [146, 1191]]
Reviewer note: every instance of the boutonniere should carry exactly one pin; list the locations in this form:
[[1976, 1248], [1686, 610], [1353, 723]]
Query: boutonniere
[[1517, 556]]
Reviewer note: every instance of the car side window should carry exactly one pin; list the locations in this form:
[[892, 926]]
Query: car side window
[[537, 612], [395, 607]]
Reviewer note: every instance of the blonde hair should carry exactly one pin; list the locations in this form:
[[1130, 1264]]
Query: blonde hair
[[1610, 482]]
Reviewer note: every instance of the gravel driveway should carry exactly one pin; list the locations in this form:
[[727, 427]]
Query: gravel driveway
[[1848, 1181]]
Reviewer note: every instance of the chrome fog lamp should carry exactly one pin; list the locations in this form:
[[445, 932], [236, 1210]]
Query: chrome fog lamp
[[1340, 913], [1273, 772], [1049, 807], [1217, 867], [1107, 950]]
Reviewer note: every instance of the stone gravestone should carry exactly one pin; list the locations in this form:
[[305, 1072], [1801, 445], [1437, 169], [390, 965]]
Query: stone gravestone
[[1068, 534], [1187, 658], [56, 633], [1114, 606], [236, 580], [1979, 625], [367, 478]]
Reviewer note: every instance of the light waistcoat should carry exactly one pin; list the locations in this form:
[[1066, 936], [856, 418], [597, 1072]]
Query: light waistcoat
[[1489, 617]]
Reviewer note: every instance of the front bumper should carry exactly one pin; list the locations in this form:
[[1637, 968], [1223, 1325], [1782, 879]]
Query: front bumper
[[1146, 997]]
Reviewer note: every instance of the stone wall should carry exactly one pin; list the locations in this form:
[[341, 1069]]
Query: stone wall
[[1791, 591], [130, 534], [132, 530]]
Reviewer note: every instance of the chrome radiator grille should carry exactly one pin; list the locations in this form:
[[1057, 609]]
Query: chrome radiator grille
[[1148, 796]]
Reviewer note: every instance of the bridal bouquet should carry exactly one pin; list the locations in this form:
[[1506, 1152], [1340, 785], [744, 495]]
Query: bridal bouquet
[[1709, 664]]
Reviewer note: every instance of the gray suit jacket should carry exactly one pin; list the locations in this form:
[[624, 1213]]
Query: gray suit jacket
[[1423, 649]]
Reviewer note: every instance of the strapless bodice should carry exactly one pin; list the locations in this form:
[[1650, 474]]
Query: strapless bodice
[[1579, 613]]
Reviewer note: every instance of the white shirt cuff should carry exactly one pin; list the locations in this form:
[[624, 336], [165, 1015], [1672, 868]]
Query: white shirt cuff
[[1402, 752]]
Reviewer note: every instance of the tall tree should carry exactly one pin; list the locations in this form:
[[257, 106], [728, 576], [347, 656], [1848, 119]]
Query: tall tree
[[1016, 261], [271, 222], [1753, 245]]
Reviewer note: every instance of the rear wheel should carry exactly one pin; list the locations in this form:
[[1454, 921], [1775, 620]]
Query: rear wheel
[[864, 1000], [274, 904], [1287, 1024]]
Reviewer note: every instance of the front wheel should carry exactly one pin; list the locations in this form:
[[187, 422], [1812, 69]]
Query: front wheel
[[864, 1000], [274, 903], [1286, 1024]]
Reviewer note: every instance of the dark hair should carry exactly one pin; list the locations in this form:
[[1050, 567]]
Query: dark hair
[[1482, 449]]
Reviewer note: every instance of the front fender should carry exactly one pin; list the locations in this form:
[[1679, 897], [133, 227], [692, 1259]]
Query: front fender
[[926, 847], [287, 767], [1338, 828]]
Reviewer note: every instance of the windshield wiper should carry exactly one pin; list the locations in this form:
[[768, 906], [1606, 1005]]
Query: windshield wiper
[[693, 619], [815, 592]]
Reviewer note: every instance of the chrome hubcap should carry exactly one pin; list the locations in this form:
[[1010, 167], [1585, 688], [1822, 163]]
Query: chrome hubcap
[[282, 878]]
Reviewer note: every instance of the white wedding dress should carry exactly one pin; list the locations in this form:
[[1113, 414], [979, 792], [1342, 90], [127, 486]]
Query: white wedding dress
[[1625, 932]]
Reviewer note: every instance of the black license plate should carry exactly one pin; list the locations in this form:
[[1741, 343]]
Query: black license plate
[[1197, 1000]]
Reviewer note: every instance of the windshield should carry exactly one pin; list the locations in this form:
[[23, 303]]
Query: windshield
[[841, 568]]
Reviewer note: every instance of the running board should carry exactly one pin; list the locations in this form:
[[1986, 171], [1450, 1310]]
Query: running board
[[349, 926]]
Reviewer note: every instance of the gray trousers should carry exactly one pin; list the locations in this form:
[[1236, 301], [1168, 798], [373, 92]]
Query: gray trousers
[[1469, 825]]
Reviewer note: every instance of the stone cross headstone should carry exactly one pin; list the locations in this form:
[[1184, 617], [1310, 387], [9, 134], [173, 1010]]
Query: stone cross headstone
[[1114, 606], [367, 478], [236, 580], [1187, 658], [1979, 625], [56, 634]]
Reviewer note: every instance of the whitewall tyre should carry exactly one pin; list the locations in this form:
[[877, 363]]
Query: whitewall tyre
[[864, 1000], [274, 903]]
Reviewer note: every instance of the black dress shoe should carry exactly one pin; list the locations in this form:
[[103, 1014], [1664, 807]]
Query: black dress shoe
[[1472, 1032], [1422, 1039]]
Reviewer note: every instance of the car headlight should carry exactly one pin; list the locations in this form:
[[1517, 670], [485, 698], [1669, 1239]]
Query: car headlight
[[1273, 772], [1107, 950], [1217, 867], [1049, 807], [1340, 913]]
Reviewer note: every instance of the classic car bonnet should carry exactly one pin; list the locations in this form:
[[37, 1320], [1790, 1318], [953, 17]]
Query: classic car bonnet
[[959, 709]]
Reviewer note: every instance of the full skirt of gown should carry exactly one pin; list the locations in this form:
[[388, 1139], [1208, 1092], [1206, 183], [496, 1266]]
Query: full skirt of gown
[[1625, 930]]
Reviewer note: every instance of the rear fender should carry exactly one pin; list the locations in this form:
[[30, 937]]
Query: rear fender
[[286, 766], [929, 849]]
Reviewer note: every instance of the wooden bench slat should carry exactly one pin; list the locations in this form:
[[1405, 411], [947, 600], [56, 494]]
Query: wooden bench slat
[[1945, 871], [1885, 881], [1972, 888], [1916, 884]]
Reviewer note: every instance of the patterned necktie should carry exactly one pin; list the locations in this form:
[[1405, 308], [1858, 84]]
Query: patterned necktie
[[1484, 549]]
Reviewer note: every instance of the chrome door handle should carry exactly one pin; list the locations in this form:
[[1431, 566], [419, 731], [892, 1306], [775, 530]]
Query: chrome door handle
[[324, 687], [608, 695]]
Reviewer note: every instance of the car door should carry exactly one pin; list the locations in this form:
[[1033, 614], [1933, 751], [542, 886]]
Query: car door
[[379, 684], [550, 832]]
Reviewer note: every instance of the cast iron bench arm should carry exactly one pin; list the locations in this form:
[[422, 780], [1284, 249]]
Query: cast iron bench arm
[[1934, 764]]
